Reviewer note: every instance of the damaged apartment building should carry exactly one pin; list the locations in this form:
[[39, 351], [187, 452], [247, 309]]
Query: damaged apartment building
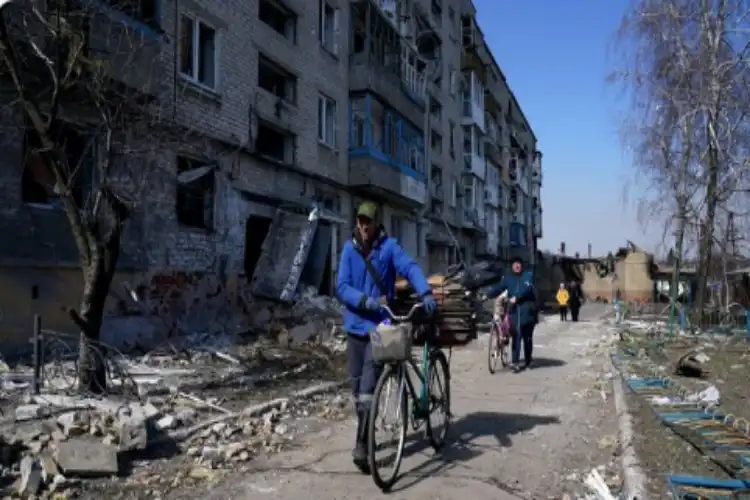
[[297, 111]]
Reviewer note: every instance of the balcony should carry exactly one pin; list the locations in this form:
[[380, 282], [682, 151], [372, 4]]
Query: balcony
[[472, 105], [474, 165], [487, 246], [367, 173], [386, 65], [438, 235], [536, 169], [475, 54], [537, 223], [474, 162], [492, 131], [386, 152], [126, 45], [471, 220]]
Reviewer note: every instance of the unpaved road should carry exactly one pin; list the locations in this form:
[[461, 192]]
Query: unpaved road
[[512, 436]]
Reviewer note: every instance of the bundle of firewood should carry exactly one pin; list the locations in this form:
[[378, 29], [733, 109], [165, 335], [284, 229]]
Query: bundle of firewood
[[458, 308]]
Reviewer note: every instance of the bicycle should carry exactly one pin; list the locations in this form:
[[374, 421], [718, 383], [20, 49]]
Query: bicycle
[[418, 408], [498, 342]]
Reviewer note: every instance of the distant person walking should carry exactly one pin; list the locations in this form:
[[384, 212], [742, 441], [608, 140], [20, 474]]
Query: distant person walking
[[562, 302], [619, 307], [575, 301]]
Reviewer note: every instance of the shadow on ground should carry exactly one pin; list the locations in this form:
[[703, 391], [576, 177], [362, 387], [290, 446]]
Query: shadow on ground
[[462, 445], [546, 363]]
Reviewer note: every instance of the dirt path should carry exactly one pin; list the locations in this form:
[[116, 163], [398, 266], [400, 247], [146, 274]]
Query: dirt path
[[513, 436]]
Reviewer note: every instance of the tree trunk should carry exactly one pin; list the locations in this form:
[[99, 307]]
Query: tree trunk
[[677, 256], [97, 278], [705, 252]]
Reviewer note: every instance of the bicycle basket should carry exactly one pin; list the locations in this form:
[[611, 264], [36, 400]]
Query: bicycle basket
[[391, 343]]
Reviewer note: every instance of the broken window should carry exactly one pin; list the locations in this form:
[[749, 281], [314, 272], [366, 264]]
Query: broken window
[[195, 197], [38, 181], [275, 144], [436, 142], [279, 18], [276, 80], [256, 230]]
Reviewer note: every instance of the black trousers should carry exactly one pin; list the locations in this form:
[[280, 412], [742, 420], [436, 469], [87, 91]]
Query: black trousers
[[574, 310], [525, 336], [563, 313]]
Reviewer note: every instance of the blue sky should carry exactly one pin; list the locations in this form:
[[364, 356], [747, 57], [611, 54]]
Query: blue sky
[[556, 55]]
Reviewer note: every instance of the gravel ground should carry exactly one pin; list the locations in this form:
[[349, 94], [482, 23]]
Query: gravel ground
[[661, 452]]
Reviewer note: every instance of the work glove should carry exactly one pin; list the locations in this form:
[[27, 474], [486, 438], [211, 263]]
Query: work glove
[[372, 304], [430, 306]]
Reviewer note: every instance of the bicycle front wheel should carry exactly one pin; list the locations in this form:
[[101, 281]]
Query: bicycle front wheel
[[439, 399], [389, 413]]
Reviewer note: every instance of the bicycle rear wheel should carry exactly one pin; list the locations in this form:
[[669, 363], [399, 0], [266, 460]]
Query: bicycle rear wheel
[[439, 398], [391, 386], [493, 348]]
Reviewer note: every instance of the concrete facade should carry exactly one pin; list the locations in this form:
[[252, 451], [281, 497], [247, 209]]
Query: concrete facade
[[251, 75]]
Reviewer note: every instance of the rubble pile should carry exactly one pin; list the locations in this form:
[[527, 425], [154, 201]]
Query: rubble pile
[[57, 440], [312, 317]]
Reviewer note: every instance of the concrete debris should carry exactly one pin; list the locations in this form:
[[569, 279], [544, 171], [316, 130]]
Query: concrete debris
[[31, 476], [605, 478], [87, 458], [87, 437]]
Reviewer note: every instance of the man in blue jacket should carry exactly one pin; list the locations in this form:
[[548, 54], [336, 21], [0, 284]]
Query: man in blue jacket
[[520, 290], [367, 274]]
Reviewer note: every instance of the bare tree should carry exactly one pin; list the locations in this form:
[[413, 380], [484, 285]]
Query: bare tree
[[71, 67], [687, 75]]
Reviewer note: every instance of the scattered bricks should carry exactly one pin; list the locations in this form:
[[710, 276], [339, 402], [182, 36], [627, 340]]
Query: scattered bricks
[[85, 458], [30, 412], [133, 433]]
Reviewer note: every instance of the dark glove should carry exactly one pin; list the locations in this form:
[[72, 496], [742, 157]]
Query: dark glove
[[430, 306], [372, 304]]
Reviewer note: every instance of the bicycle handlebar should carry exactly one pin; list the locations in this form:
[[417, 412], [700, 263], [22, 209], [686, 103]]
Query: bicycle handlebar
[[405, 318]]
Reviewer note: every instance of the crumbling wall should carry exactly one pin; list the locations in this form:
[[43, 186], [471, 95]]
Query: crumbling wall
[[632, 276]]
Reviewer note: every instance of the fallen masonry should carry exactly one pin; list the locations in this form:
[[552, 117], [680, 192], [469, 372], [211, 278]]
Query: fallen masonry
[[75, 438]]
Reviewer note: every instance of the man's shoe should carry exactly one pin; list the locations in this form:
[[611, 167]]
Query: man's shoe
[[515, 368], [359, 457], [359, 454], [527, 366]]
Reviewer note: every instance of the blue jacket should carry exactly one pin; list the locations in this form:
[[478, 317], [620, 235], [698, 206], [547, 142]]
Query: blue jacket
[[521, 287], [355, 284]]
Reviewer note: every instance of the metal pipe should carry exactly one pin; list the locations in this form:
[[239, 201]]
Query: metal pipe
[[37, 340]]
